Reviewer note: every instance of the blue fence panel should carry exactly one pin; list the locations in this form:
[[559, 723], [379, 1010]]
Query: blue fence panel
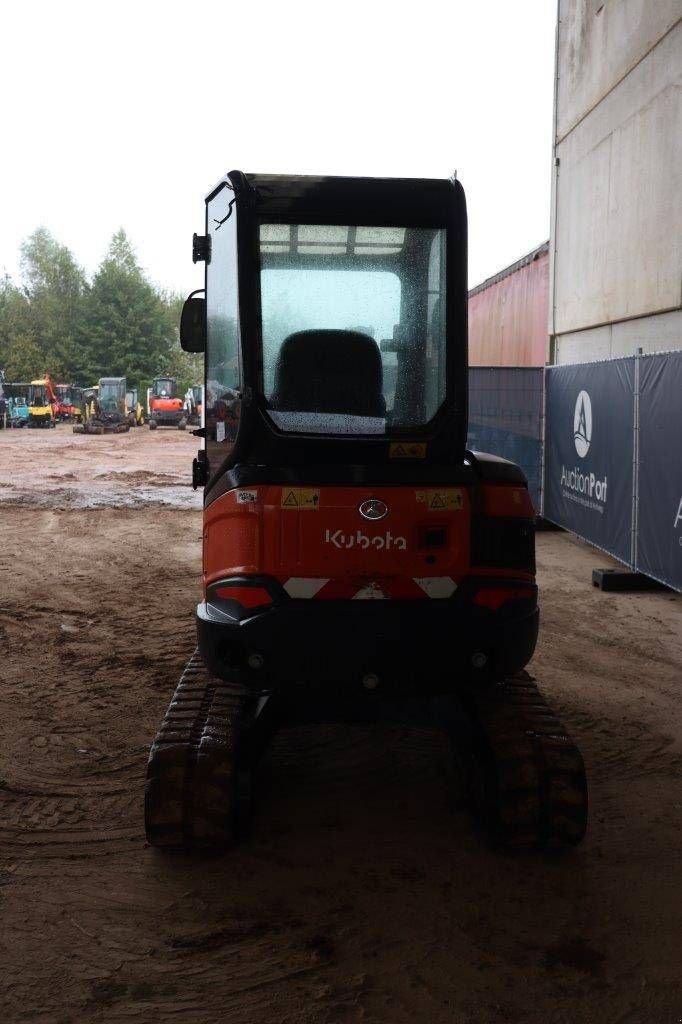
[[659, 505], [505, 417], [590, 411]]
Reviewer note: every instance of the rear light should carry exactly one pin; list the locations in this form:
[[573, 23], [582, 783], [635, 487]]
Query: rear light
[[242, 593], [495, 597]]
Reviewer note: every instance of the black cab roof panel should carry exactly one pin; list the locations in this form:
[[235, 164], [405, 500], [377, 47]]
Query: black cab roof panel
[[424, 201]]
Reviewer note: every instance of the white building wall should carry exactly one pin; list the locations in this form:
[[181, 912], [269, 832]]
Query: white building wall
[[616, 245]]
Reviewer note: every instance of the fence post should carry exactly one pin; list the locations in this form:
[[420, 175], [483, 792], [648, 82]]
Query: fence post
[[635, 466], [543, 439]]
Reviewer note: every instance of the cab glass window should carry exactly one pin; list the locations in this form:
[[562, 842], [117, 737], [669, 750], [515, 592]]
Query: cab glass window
[[223, 377], [353, 321]]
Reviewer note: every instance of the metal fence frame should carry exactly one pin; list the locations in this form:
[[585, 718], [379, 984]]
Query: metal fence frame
[[505, 450], [633, 563]]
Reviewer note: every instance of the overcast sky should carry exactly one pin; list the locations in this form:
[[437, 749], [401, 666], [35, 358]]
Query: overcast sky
[[125, 114]]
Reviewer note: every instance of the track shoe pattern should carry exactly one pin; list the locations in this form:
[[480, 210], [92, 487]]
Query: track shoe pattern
[[193, 784], [528, 781]]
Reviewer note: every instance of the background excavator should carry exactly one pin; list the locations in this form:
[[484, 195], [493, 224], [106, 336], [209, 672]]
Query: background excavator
[[42, 402], [356, 556], [16, 404], [165, 408], [104, 408], [69, 402], [134, 408]]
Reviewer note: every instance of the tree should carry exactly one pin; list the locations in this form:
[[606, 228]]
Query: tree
[[127, 325], [120, 325], [55, 288], [20, 355]]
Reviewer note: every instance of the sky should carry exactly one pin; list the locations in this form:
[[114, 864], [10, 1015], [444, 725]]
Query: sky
[[124, 114]]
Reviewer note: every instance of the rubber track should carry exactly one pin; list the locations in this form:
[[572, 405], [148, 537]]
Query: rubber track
[[193, 762], [533, 788]]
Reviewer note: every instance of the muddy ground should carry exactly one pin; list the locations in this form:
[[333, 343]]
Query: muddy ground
[[363, 893]]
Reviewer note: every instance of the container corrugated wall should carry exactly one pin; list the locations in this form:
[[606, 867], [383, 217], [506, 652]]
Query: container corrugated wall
[[508, 314]]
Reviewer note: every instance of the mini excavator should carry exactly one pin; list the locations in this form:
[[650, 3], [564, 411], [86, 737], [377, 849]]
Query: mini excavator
[[354, 550]]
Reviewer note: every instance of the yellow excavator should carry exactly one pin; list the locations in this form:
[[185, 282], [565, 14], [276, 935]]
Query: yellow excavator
[[134, 408], [41, 404]]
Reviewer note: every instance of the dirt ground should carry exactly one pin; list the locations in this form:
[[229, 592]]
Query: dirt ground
[[363, 894]]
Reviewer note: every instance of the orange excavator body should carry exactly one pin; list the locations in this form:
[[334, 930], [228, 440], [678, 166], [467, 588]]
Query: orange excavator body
[[348, 533], [165, 407]]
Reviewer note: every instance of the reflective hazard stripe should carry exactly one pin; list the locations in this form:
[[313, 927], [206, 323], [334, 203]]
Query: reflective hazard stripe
[[303, 586], [370, 593], [437, 586], [398, 588]]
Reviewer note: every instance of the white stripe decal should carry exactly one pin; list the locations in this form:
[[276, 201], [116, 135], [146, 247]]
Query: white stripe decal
[[303, 586], [370, 593], [437, 586]]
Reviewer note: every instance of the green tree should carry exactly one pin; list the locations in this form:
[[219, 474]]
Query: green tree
[[127, 326], [55, 288], [20, 355]]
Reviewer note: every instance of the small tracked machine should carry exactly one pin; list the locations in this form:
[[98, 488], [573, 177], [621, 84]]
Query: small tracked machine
[[104, 408], [164, 406], [355, 554]]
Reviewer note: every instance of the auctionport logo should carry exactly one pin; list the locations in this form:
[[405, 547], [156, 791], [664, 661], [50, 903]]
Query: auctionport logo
[[585, 488], [582, 424]]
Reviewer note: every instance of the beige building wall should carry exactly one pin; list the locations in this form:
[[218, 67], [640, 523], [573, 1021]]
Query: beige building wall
[[616, 231]]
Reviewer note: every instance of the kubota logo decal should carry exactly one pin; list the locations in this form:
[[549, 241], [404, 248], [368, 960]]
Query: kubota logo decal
[[582, 424], [373, 509], [339, 539]]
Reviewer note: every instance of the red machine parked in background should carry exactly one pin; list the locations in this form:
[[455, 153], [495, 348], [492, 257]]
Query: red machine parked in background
[[68, 403], [164, 406]]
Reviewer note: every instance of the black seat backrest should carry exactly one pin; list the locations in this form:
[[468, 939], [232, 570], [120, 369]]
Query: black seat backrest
[[329, 371]]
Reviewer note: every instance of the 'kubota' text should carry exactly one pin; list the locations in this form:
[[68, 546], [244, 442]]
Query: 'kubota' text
[[339, 539]]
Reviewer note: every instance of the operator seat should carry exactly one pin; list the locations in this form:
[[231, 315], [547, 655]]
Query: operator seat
[[329, 371]]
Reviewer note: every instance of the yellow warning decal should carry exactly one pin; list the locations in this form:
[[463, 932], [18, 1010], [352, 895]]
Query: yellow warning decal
[[449, 500], [407, 450], [301, 497]]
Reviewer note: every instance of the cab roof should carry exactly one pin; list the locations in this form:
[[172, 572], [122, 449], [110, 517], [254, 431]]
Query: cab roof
[[401, 201]]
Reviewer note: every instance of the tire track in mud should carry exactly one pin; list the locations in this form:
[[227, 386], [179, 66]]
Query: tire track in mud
[[63, 471], [72, 779]]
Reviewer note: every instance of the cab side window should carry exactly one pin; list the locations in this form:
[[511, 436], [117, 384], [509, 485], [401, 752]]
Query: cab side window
[[223, 370]]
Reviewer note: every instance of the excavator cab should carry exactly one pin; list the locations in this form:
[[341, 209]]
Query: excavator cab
[[165, 407], [17, 407], [353, 549], [164, 387], [40, 404], [134, 408], [104, 408]]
